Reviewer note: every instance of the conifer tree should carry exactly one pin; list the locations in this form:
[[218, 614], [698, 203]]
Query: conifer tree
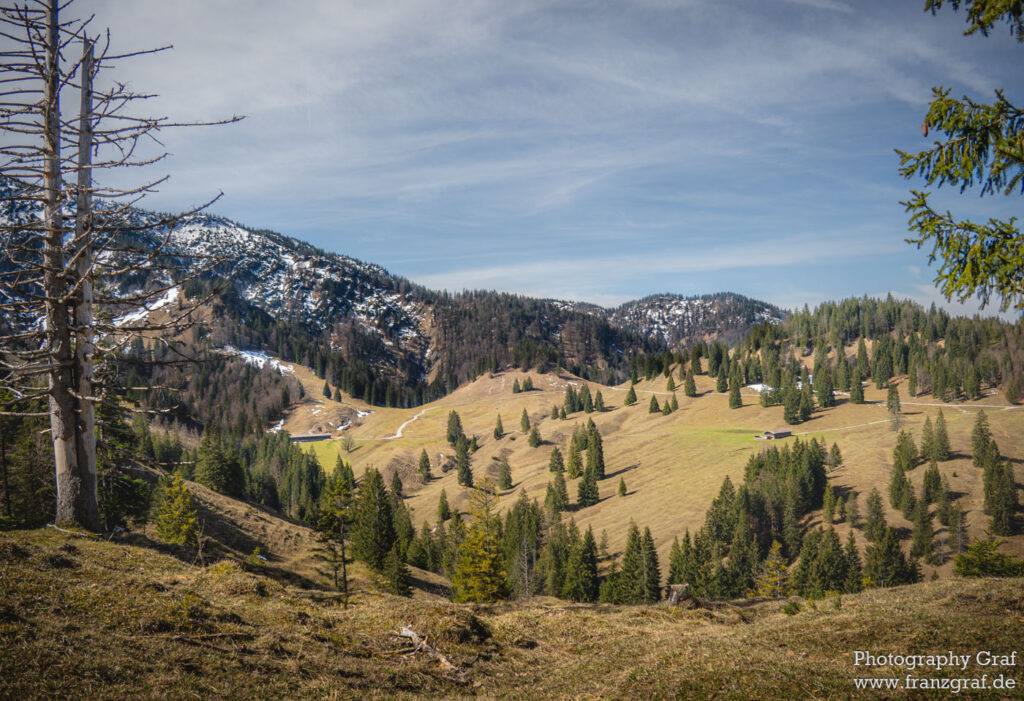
[[585, 400], [574, 466], [651, 581], [561, 414], [941, 439], [825, 389], [773, 580], [735, 400], [454, 427], [932, 483], [885, 565], [653, 407], [806, 404], [464, 475], [444, 512], [862, 360], [176, 519], [892, 405], [373, 530], [534, 439], [670, 386], [630, 580], [674, 404], [622, 486], [396, 484], [479, 567], [580, 583], [666, 409], [218, 467], [515, 386], [528, 384], [557, 497], [829, 504], [690, 386], [856, 388], [555, 464], [854, 572], [835, 458], [905, 453], [424, 465], [524, 422], [875, 525], [499, 430], [630, 397], [722, 382], [595, 453], [598, 402], [928, 440], [980, 437], [504, 474], [922, 538], [327, 390], [554, 411], [1003, 502], [587, 493], [396, 574]]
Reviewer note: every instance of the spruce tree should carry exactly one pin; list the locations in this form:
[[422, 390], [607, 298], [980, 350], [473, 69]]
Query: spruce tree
[[479, 567], [581, 583], [862, 359], [586, 490], [622, 486], [874, 524], [852, 510], [574, 466], [528, 384], [499, 430], [666, 409], [327, 390], [690, 386], [922, 538], [773, 579], [586, 401], [598, 402], [651, 582], [534, 439], [373, 530], [444, 512], [515, 386], [557, 497], [524, 422], [824, 387], [630, 581], [554, 412], [630, 397], [396, 574], [396, 485], [941, 439], [670, 386], [504, 474], [854, 572], [218, 467], [829, 504], [176, 520], [735, 400], [980, 437], [464, 475], [555, 464], [595, 453], [653, 407], [932, 483], [674, 404], [885, 565], [722, 382], [454, 427], [425, 466], [856, 388]]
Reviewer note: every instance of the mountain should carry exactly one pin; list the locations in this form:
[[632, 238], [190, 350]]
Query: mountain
[[677, 320], [382, 337]]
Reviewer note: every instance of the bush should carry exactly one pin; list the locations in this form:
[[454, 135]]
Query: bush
[[791, 608], [983, 559]]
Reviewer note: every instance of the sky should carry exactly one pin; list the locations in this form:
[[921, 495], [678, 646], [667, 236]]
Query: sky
[[598, 151]]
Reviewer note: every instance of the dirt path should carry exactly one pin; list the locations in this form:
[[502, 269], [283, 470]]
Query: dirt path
[[401, 429]]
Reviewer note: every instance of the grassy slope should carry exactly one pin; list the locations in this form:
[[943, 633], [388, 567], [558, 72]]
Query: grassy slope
[[674, 465], [86, 618]]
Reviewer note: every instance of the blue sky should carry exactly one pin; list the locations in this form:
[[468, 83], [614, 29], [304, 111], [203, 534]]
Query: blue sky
[[598, 151]]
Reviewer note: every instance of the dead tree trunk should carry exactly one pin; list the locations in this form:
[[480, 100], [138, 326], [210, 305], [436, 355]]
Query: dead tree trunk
[[85, 435], [58, 333]]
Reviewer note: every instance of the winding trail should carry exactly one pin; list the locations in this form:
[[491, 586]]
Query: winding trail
[[401, 429]]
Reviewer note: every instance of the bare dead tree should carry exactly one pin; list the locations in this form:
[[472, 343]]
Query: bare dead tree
[[67, 314]]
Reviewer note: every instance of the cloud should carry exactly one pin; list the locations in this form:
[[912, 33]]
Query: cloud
[[833, 5]]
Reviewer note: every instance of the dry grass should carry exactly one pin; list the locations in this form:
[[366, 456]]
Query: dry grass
[[85, 618], [674, 465]]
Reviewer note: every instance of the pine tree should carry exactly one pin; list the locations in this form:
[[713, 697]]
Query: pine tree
[[587, 493], [932, 483], [980, 437], [1003, 503], [534, 439], [630, 580], [515, 386], [444, 512], [580, 583], [722, 382], [922, 538], [554, 411], [941, 439], [598, 402], [585, 400], [528, 384], [856, 388], [555, 464], [504, 474], [454, 427], [735, 400], [396, 484], [373, 530], [928, 440], [176, 520], [630, 397], [892, 405], [823, 385], [670, 386], [773, 579], [464, 475], [690, 385], [622, 486], [573, 467], [674, 404], [557, 497], [862, 359], [885, 564], [852, 510], [479, 568], [653, 407], [875, 525], [666, 409], [829, 504], [524, 422], [854, 572], [219, 468], [396, 574], [905, 454], [651, 581], [499, 430], [327, 390], [835, 458], [425, 466], [595, 453]]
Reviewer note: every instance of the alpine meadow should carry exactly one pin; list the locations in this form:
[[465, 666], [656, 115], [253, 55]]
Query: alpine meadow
[[533, 450]]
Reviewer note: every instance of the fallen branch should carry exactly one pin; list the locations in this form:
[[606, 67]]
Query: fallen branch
[[77, 534], [420, 644]]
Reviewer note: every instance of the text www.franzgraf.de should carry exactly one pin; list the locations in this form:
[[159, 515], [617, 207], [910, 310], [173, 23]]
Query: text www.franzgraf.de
[[922, 664]]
